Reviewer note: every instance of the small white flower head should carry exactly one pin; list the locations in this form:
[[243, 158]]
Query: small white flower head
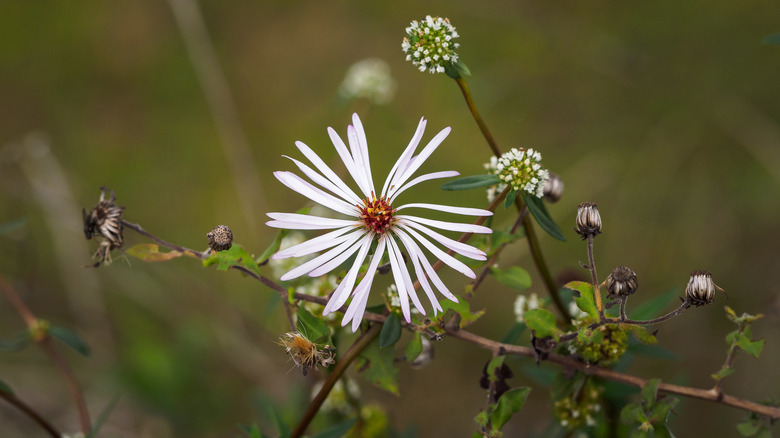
[[373, 227], [519, 168], [430, 45], [369, 79], [393, 298], [524, 304]]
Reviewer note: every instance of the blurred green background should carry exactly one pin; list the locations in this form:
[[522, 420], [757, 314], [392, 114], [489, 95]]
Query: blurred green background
[[663, 113]]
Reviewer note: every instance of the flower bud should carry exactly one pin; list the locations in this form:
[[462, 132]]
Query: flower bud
[[701, 289], [553, 188], [220, 238], [588, 220], [621, 282]]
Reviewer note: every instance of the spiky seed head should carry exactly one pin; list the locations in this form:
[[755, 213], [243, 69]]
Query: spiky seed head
[[220, 238]]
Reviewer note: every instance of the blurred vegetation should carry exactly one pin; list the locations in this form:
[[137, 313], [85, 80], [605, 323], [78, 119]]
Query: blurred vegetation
[[663, 113]]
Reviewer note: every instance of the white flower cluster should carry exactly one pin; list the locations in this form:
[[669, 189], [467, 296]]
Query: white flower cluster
[[524, 304], [369, 79], [519, 168], [429, 44]]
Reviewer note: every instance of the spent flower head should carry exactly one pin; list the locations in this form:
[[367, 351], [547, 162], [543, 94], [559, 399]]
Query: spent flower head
[[588, 222], [519, 168], [621, 282], [104, 220], [701, 289], [429, 44], [373, 222], [369, 79]]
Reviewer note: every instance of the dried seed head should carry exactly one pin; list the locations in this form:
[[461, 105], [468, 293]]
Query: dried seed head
[[305, 353], [553, 188], [621, 282], [220, 238], [104, 220], [701, 289], [588, 220]]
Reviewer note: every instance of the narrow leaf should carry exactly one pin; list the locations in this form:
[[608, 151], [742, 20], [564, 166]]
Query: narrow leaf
[[723, 373], [71, 339], [413, 348], [543, 322], [337, 431], [631, 413], [150, 252], [391, 331], [653, 307], [748, 427], [273, 247], [586, 299], [5, 388], [267, 406], [103, 417], [510, 198], [539, 212], [640, 333], [662, 409], [650, 392], [515, 277], [316, 329], [17, 343], [462, 68], [471, 182], [510, 403], [661, 431]]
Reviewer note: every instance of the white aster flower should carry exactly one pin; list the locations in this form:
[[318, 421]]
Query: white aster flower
[[369, 79], [429, 44], [373, 219]]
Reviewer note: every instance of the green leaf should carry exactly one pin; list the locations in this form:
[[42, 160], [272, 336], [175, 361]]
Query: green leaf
[[5, 388], [586, 299], [514, 333], [494, 364], [661, 410], [71, 339], [463, 309], [17, 343], [653, 307], [267, 406], [471, 182], [510, 198], [462, 68], [752, 348], [515, 277], [631, 413], [103, 417], [499, 237], [723, 373], [235, 256], [640, 333], [661, 431], [391, 331], [413, 348], [378, 367], [150, 252], [316, 329], [543, 322], [748, 427], [539, 212], [564, 387], [337, 431], [772, 39], [273, 247], [650, 392], [510, 403], [588, 336]]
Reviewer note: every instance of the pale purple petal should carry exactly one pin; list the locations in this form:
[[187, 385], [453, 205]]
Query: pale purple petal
[[443, 256], [414, 251], [295, 221], [421, 277], [363, 143], [402, 175], [348, 196], [349, 162], [344, 289], [401, 276], [459, 247], [356, 308], [347, 245], [449, 226], [316, 244], [449, 209], [405, 156], [336, 262], [299, 185], [327, 171], [422, 178]]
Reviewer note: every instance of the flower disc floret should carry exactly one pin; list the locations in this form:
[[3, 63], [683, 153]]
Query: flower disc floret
[[429, 44], [521, 169]]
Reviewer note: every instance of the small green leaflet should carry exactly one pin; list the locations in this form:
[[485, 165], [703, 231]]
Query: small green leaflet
[[586, 299], [510, 198], [463, 309], [315, 329], [543, 322], [273, 247], [236, 255], [640, 333], [471, 182], [391, 331], [71, 339], [337, 431], [413, 348], [539, 212], [510, 403], [378, 366], [515, 277], [150, 252]]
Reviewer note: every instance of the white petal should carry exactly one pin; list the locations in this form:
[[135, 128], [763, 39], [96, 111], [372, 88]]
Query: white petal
[[401, 276], [443, 256], [297, 183], [295, 221], [405, 156], [459, 247], [348, 196], [322, 167], [316, 244], [344, 247], [449, 226], [356, 308], [344, 289], [336, 262], [415, 251], [421, 277], [349, 163], [405, 174], [421, 178], [363, 142], [450, 209]]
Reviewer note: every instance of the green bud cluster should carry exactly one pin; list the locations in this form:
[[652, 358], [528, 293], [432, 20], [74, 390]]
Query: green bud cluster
[[605, 347], [579, 409]]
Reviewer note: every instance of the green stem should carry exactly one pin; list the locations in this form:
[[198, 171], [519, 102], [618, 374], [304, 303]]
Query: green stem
[[351, 354], [481, 123]]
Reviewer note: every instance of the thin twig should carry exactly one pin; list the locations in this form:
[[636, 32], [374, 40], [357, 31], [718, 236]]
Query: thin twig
[[30, 412], [594, 277], [360, 344]]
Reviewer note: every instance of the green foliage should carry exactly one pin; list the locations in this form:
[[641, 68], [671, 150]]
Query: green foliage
[[273, 247], [150, 252], [337, 431], [378, 366], [6, 388], [273, 414], [391, 330], [510, 403], [755, 425], [413, 348], [510, 198], [579, 403], [651, 413], [539, 212], [471, 182], [461, 308], [71, 339], [514, 333], [653, 307], [235, 256], [103, 417], [543, 322], [494, 365], [315, 329], [251, 431], [585, 298], [739, 339], [604, 346], [515, 277], [640, 333], [19, 342]]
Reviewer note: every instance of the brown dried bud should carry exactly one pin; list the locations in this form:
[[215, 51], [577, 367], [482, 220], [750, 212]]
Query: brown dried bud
[[701, 289], [104, 220], [588, 220], [220, 238], [553, 188], [621, 282]]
